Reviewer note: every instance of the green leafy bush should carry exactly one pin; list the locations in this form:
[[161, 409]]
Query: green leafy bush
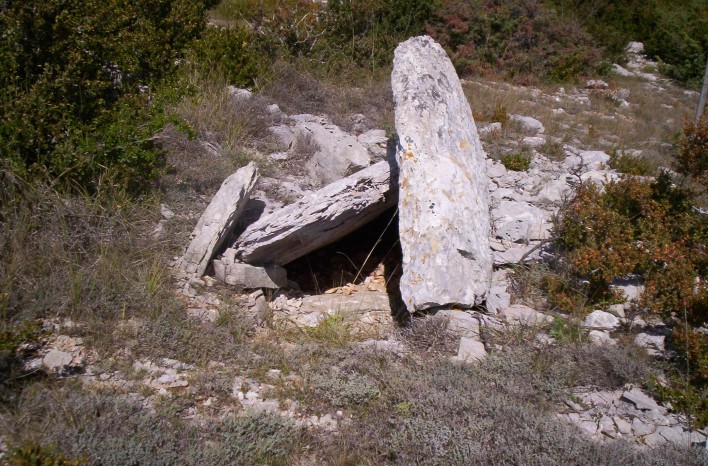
[[674, 32], [76, 79], [517, 161], [629, 164]]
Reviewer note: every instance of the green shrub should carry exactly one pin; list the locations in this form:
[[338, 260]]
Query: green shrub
[[692, 157], [517, 161], [674, 32], [647, 228], [629, 164], [76, 78], [232, 53]]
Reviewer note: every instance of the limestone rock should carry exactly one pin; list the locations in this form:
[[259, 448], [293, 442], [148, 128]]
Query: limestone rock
[[444, 197], [641, 400], [219, 218], [339, 154], [600, 338], [519, 222], [471, 350], [529, 124], [518, 314], [498, 297], [230, 272], [654, 344], [320, 218], [601, 320], [55, 359], [461, 322]]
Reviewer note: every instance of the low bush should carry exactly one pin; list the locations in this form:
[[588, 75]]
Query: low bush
[[494, 412], [630, 164], [524, 41], [103, 429], [647, 228], [76, 81], [692, 156], [516, 161]]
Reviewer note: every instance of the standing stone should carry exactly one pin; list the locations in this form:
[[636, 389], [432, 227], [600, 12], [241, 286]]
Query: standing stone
[[444, 198], [219, 219]]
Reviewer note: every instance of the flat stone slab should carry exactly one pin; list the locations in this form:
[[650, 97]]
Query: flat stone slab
[[444, 196], [320, 218], [219, 219], [250, 276]]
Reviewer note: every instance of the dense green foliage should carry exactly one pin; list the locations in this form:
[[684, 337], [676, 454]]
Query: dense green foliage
[[673, 31], [76, 78]]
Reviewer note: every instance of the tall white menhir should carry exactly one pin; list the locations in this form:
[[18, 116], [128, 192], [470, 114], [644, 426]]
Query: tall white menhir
[[444, 198]]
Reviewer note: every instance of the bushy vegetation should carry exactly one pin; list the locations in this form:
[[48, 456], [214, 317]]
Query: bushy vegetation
[[673, 32], [521, 40], [76, 81], [648, 228]]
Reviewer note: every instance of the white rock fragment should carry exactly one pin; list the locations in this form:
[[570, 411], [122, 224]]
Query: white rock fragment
[[529, 124], [55, 359], [601, 320]]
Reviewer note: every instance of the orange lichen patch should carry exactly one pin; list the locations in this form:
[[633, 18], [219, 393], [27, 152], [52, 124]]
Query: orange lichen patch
[[464, 144], [408, 155]]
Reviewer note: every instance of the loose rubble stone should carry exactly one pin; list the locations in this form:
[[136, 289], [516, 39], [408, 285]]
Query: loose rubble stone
[[654, 344], [230, 272], [498, 297], [460, 322], [470, 350], [529, 124], [519, 222], [320, 218], [219, 219], [601, 320], [55, 359], [601, 338], [641, 400], [518, 314], [444, 197], [339, 153]]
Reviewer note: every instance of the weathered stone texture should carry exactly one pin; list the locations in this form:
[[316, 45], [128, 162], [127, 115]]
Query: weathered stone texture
[[320, 218], [219, 219], [444, 196]]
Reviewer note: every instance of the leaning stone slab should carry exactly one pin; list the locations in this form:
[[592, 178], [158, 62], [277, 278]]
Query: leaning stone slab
[[219, 219], [320, 218], [444, 197]]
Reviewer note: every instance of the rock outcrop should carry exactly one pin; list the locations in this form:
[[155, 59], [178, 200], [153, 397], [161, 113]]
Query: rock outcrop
[[444, 197], [320, 218], [219, 219]]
